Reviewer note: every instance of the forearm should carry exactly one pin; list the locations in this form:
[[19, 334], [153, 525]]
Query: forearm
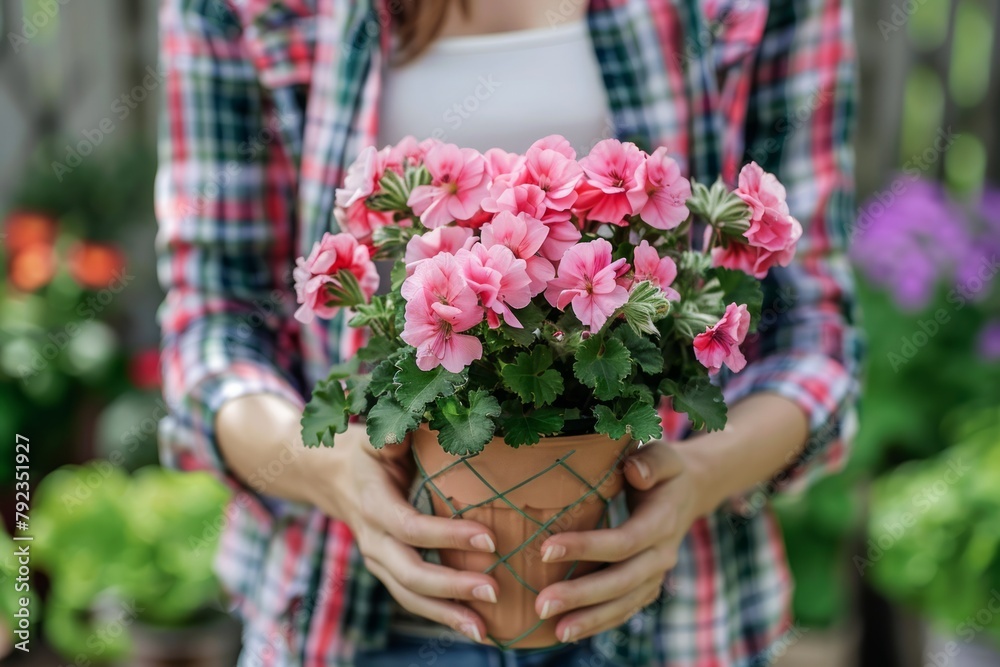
[[765, 434], [259, 437]]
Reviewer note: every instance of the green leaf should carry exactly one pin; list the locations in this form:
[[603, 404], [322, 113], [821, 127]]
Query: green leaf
[[526, 427], [325, 414], [383, 378], [640, 393], [416, 388], [397, 275], [392, 193], [641, 421], [646, 304], [390, 240], [417, 176], [741, 288], [357, 393], [345, 290], [531, 318], [532, 378], [464, 430], [644, 352], [719, 206], [380, 314], [602, 364], [377, 349], [700, 399], [388, 422]]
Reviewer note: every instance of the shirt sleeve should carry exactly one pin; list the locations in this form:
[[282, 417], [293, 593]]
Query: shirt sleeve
[[224, 241], [800, 127]]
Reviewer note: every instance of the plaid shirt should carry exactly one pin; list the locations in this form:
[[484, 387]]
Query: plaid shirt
[[267, 101]]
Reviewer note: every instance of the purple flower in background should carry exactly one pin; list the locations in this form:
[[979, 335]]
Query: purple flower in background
[[989, 341], [989, 212], [911, 243]]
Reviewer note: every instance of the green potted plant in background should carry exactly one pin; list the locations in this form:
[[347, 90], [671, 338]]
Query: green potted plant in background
[[936, 523], [926, 292], [130, 563]]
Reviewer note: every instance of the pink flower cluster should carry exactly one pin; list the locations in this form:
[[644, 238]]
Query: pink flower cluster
[[614, 182], [494, 230], [504, 228], [773, 232], [720, 343], [317, 276]]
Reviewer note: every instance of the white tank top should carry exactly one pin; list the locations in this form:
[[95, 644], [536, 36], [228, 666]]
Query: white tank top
[[501, 90]]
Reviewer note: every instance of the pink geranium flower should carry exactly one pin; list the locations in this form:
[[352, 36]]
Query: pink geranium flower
[[660, 192], [610, 170], [362, 178], [361, 222], [317, 275], [740, 257], [529, 199], [501, 163], [588, 278], [563, 234], [648, 265], [720, 344], [755, 261], [557, 143], [440, 304], [771, 225], [523, 236], [352, 214], [524, 198], [499, 278], [434, 242], [459, 183], [408, 151], [555, 174]]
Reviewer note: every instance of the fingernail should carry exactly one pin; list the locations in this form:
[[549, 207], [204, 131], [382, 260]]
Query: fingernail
[[485, 593], [550, 609], [483, 542], [472, 632], [568, 634], [552, 552], [641, 466]]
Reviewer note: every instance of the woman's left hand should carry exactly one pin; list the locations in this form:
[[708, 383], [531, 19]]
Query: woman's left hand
[[664, 497]]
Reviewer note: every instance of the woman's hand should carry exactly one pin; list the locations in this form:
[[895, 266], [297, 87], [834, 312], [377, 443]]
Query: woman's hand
[[367, 491], [366, 488], [664, 500]]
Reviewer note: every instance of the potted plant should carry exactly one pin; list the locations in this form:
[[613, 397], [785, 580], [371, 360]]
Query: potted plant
[[934, 541], [130, 564], [540, 308]]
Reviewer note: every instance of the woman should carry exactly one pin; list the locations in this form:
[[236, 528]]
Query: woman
[[269, 100]]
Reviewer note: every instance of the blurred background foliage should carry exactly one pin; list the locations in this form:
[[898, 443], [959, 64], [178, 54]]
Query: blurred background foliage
[[124, 548]]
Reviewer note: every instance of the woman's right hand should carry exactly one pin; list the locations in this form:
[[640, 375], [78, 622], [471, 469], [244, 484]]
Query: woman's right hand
[[366, 488]]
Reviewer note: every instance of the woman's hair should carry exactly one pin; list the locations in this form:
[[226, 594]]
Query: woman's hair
[[418, 23]]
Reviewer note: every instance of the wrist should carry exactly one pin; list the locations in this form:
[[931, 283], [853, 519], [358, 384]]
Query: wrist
[[321, 472], [702, 461]]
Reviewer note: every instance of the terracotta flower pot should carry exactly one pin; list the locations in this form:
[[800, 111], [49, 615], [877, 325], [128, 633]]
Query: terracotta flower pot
[[551, 483]]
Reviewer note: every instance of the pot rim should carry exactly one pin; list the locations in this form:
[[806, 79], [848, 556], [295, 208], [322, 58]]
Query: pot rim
[[555, 440]]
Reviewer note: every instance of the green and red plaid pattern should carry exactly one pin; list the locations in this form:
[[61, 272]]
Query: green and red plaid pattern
[[267, 101]]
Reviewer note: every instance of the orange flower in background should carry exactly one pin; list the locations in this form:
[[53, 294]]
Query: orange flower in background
[[27, 228], [32, 268], [95, 266]]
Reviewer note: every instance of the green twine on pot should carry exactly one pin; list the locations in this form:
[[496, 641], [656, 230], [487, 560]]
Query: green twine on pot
[[427, 481]]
